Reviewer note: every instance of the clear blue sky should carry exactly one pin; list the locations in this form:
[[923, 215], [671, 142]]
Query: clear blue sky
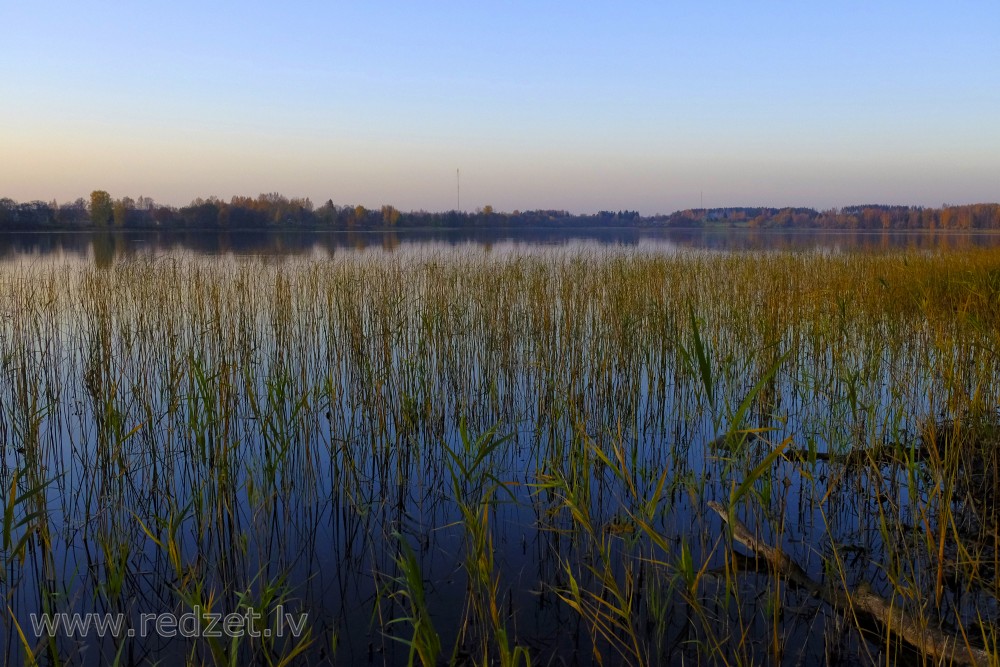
[[575, 105]]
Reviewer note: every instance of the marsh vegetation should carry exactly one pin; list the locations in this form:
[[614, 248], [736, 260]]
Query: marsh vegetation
[[509, 457]]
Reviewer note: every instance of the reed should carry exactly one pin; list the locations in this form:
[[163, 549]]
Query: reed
[[543, 429]]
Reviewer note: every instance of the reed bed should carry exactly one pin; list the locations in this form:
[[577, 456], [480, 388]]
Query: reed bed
[[503, 456]]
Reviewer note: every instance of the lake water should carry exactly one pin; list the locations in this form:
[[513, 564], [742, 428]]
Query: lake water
[[104, 247], [219, 428]]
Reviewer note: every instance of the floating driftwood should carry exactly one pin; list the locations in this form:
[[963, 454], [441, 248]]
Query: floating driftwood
[[880, 454], [933, 642]]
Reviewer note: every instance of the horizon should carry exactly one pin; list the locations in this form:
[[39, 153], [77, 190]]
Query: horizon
[[342, 205], [977, 209], [540, 106]]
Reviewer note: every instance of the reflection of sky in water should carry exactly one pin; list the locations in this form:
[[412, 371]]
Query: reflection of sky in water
[[358, 420], [105, 247]]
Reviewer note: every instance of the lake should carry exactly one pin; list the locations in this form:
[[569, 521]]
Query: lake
[[105, 246], [490, 449]]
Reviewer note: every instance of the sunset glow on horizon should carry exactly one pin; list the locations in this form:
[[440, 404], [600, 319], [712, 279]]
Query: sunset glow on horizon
[[541, 105]]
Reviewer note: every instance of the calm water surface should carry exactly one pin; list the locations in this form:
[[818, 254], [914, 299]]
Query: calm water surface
[[104, 247], [351, 473]]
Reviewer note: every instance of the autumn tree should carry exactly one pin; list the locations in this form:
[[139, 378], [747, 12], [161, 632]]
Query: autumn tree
[[390, 216], [945, 217], [359, 216], [101, 208]]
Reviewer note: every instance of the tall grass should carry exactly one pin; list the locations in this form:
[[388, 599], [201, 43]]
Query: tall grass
[[544, 426]]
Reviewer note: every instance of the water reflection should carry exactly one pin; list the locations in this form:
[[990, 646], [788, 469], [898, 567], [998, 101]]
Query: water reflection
[[104, 247], [295, 421]]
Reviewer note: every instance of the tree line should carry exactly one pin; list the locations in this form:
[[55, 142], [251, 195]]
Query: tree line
[[266, 211], [275, 211], [859, 217]]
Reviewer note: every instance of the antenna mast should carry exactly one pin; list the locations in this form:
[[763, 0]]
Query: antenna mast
[[458, 190]]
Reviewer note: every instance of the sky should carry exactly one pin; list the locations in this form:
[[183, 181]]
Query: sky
[[583, 106]]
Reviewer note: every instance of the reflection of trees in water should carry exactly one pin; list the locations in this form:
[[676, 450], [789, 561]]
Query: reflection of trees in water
[[357, 241], [390, 241], [108, 245], [105, 249]]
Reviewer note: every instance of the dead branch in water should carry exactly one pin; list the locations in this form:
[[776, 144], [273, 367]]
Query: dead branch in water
[[933, 642]]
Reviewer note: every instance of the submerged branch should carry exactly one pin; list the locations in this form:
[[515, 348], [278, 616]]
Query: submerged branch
[[933, 642]]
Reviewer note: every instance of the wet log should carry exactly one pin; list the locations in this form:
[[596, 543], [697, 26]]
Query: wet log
[[932, 642]]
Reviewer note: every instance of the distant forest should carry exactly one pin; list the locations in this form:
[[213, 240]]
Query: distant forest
[[272, 211]]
